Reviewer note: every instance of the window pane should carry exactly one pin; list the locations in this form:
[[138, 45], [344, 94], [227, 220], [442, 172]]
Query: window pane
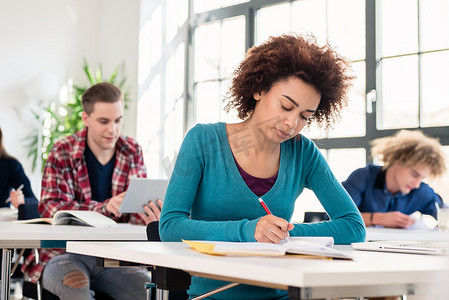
[[156, 36], [180, 70], [399, 104], [148, 133], [207, 51], [309, 16], [353, 119], [176, 16], [435, 89], [233, 45], [344, 161], [398, 27], [346, 27], [230, 117], [265, 25], [174, 79], [207, 102], [170, 83], [205, 5], [225, 3], [434, 20]]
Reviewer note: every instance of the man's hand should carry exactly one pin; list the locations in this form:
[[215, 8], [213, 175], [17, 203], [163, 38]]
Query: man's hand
[[272, 229], [16, 198], [152, 211], [114, 204], [393, 219]]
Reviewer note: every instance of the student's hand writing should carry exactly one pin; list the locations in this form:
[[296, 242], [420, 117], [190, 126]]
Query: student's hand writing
[[152, 211], [114, 204], [394, 219], [272, 229], [16, 198]]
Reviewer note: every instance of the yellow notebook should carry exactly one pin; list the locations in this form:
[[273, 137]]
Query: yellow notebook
[[309, 246]]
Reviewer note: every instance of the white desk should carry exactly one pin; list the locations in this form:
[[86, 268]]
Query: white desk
[[385, 234], [8, 214], [370, 274], [31, 236]]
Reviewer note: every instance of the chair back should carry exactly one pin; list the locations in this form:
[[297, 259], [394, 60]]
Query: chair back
[[175, 281], [153, 232], [315, 216]]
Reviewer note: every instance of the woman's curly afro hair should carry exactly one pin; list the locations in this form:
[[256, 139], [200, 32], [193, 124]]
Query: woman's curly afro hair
[[286, 56]]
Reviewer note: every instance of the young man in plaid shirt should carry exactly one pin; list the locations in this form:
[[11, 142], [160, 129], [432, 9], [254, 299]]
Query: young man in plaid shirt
[[91, 170]]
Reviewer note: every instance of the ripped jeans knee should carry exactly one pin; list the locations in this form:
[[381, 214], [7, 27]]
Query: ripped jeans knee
[[67, 277], [75, 280]]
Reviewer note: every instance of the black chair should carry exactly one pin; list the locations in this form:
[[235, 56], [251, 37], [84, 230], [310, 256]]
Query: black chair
[[173, 280], [315, 216]]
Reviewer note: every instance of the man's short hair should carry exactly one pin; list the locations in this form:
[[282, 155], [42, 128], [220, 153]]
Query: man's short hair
[[100, 92]]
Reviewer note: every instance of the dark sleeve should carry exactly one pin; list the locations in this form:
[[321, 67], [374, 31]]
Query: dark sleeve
[[19, 178], [356, 185]]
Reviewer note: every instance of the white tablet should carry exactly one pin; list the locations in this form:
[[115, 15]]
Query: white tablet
[[140, 191]]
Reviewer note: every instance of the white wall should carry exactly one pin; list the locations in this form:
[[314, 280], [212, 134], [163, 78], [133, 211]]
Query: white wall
[[55, 36]]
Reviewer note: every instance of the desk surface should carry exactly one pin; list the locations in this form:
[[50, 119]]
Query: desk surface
[[368, 268], [15, 235], [8, 214], [378, 234]]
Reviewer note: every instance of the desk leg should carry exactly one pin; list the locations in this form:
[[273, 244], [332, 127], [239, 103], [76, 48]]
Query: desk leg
[[294, 293], [6, 274], [161, 294]]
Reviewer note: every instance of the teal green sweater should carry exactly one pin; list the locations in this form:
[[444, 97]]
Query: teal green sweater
[[207, 199]]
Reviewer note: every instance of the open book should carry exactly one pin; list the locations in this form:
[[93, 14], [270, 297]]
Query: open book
[[313, 246], [74, 217]]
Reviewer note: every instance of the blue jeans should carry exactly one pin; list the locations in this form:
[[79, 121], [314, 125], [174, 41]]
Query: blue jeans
[[119, 283]]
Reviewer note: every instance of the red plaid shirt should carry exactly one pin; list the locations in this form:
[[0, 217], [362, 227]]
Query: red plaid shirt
[[65, 186]]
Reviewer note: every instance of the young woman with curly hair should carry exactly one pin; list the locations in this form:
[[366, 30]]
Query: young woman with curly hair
[[222, 170], [386, 195]]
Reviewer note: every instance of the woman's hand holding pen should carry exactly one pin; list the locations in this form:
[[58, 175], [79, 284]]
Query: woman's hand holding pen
[[16, 197], [272, 229]]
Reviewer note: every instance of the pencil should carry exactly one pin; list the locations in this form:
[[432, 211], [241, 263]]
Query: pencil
[[265, 207], [18, 189], [268, 211]]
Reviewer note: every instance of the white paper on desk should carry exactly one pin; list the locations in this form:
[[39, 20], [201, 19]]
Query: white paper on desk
[[315, 246], [326, 241], [420, 225]]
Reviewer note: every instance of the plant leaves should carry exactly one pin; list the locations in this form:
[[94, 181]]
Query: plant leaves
[[61, 126]]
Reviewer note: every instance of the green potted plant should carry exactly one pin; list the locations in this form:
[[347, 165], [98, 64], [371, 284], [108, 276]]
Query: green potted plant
[[57, 124]]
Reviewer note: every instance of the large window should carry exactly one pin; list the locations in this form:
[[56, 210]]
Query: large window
[[413, 61], [400, 66], [218, 48]]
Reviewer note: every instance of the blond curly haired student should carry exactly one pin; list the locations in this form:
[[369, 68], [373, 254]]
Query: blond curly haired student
[[386, 195]]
